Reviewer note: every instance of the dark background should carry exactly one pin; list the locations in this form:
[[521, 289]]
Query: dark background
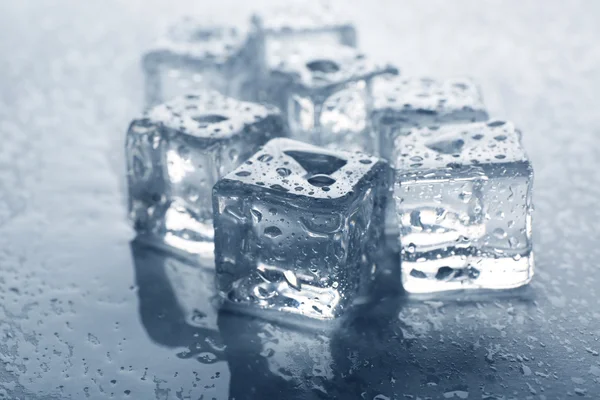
[[84, 314]]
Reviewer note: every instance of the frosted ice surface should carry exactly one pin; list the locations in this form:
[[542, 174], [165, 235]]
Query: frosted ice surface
[[176, 153], [400, 104], [296, 228], [293, 21], [463, 201], [325, 92], [196, 55]]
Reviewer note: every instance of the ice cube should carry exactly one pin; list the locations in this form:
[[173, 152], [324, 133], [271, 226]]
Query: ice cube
[[463, 201], [297, 228], [293, 22], [400, 104], [325, 92], [176, 153], [196, 55]]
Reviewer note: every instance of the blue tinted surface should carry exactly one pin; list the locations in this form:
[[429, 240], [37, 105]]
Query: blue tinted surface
[[80, 315]]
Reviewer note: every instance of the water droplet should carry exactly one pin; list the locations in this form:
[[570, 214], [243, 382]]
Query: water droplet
[[278, 187], [256, 215], [366, 161], [243, 173], [465, 196], [207, 119], [500, 138], [321, 180], [499, 233], [272, 232], [265, 157], [291, 279], [323, 66], [183, 152], [283, 172], [494, 124], [192, 194]]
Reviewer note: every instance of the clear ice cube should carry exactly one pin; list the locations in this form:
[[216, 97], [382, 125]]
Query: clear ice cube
[[324, 90], [463, 201], [297, 228], [400, 104], [177, 152], [294, 22], [196, 55]]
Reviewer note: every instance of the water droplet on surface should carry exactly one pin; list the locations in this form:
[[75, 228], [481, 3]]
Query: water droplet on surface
[[323, 66], [243, 173], [265, 157], [499, 233], [256, 215], [272, 232], [321, 180], [183, 152], [284, 171], [192, 194]]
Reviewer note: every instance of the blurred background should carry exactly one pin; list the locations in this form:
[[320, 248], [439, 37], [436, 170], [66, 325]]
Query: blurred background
[[86, 314]]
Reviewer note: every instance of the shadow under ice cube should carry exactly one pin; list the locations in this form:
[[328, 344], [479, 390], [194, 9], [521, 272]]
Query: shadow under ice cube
[[324, 90], [297, 227], [177, 152], [400, 104], [196, 56], [463, 201]]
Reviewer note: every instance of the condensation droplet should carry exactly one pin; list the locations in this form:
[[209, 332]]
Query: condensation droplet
[[499, 233], [272, 232], [284, 171]]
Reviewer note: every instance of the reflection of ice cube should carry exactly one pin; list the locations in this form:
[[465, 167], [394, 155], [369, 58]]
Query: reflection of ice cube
[[176, 153], [177, 304], [463, 198], [303, 357], [194, 291], [296, 228]]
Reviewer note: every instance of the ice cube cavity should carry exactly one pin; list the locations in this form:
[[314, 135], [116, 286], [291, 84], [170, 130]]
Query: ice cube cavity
[[463, 201], [297, 228], [176, 153]]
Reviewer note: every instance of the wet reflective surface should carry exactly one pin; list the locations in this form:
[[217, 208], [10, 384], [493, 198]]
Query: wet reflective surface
[[84, 313]]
